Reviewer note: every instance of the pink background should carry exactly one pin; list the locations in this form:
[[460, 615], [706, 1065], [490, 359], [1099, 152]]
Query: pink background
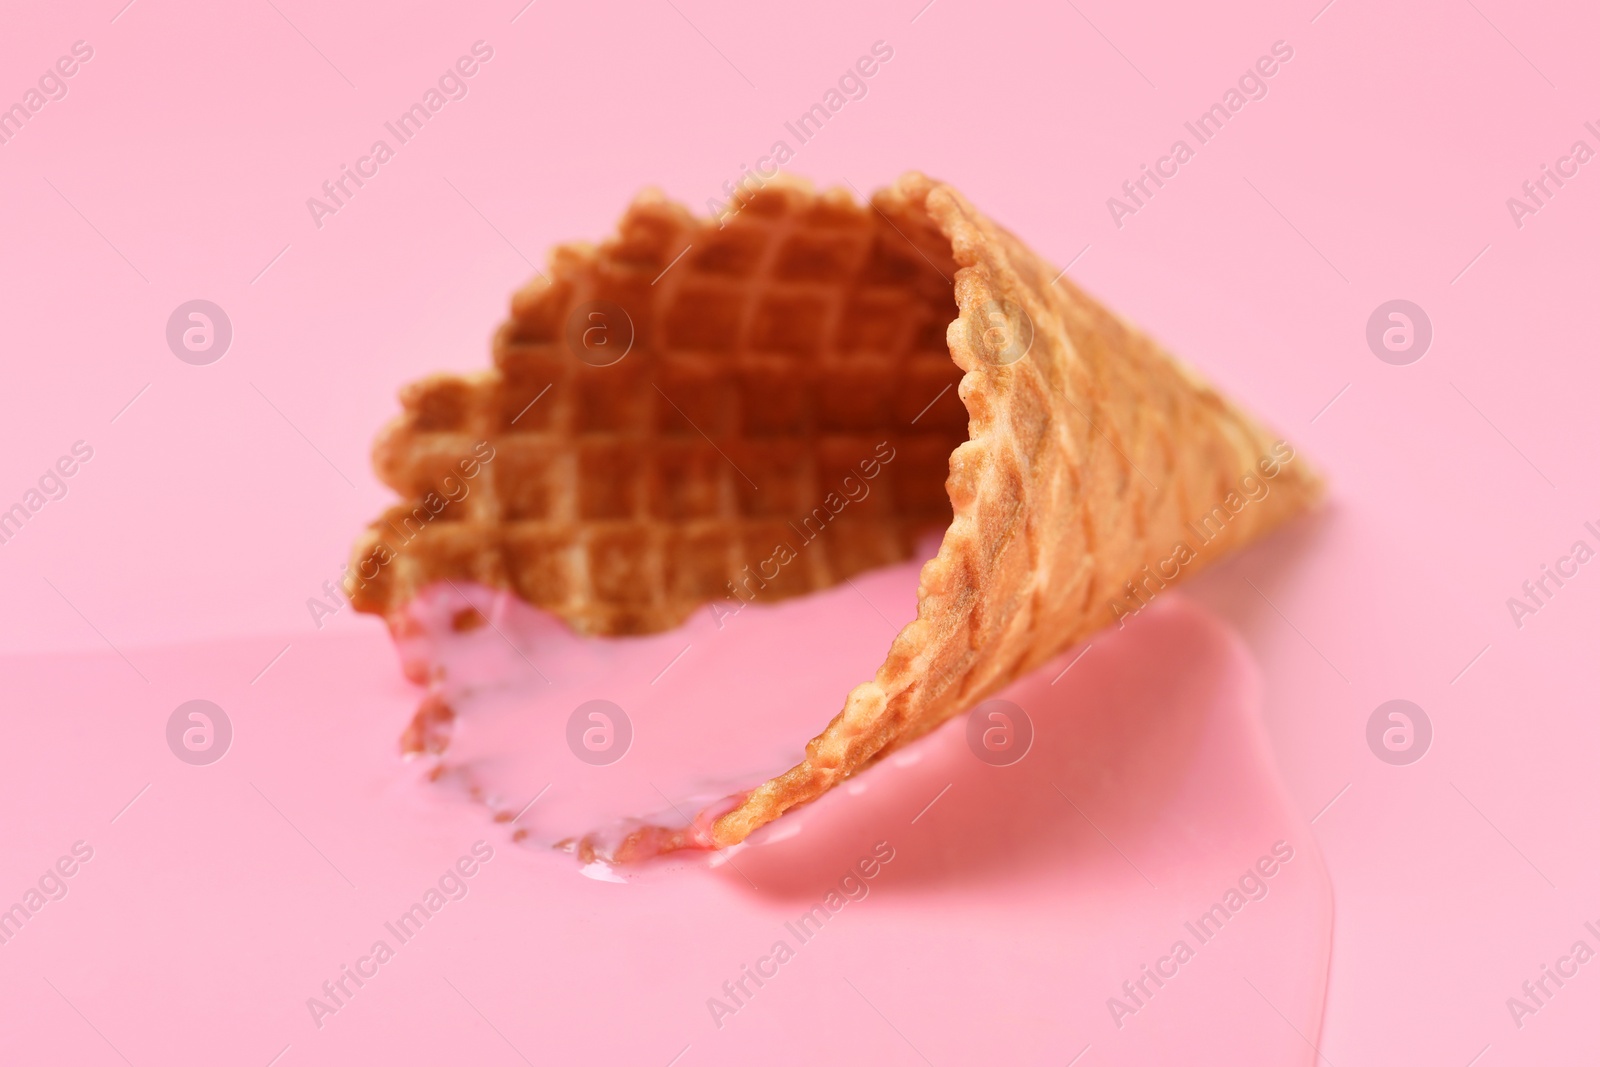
[[1378, 167]]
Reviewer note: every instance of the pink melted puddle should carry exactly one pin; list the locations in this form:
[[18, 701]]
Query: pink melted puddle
[[1122, 888], [1145, 828], [643, 740]]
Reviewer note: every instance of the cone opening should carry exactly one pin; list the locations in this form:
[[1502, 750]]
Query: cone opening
[[765, 405], [693, 412]]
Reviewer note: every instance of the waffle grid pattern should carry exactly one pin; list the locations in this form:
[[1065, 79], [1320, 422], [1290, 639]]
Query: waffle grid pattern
[[774, 364], [1084, 464], [799, 336]]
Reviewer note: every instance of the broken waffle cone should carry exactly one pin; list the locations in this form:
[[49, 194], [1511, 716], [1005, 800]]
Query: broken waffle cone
[[681, 414]]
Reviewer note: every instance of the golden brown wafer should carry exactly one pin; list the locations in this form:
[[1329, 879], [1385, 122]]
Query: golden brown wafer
[[667, 409]]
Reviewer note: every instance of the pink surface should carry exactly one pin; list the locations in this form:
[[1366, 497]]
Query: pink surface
[[219, 498], [978, 913]]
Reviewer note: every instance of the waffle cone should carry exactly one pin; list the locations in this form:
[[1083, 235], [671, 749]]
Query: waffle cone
[[773, 363]]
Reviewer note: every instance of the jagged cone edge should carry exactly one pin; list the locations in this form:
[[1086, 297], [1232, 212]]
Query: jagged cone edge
[[1089, 462], [1014, 583]]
